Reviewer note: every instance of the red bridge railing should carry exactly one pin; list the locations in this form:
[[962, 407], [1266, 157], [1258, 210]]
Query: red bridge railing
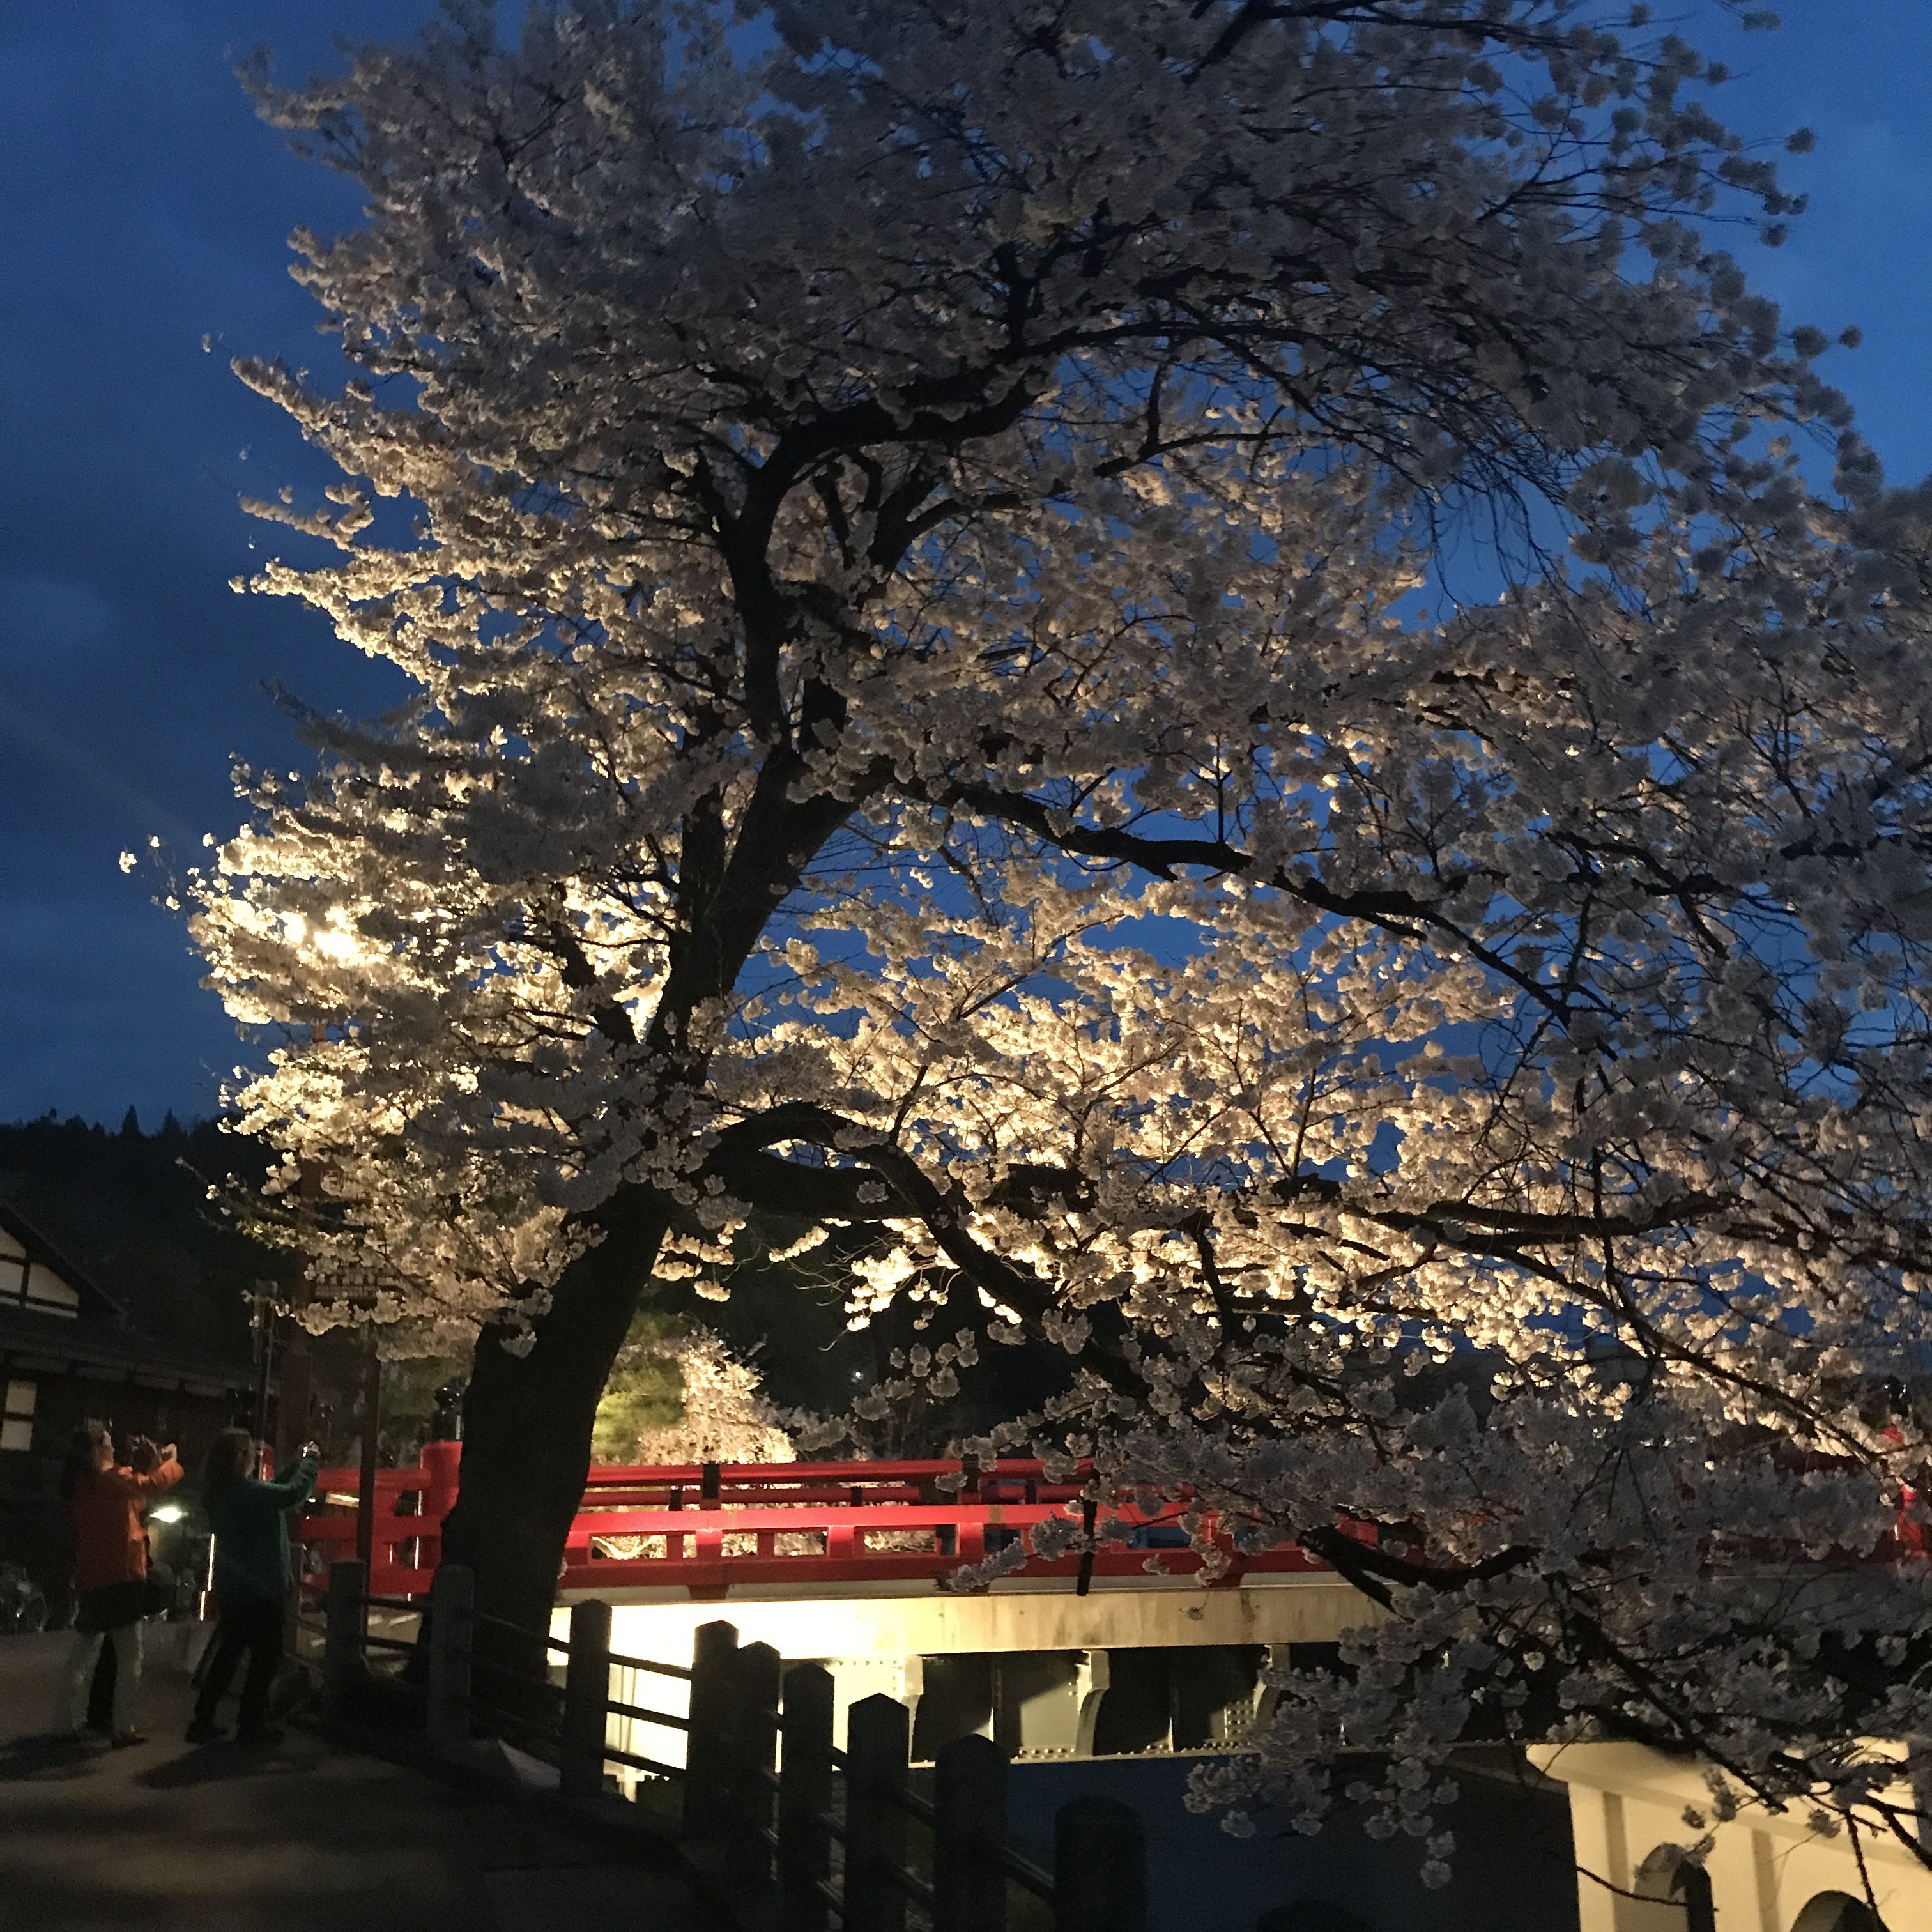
[[704, 1527]]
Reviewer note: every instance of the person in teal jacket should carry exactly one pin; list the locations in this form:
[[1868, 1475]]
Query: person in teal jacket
[[250, 1520]]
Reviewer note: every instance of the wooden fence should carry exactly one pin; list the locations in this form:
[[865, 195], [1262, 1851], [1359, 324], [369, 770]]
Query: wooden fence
[[786, 1831]]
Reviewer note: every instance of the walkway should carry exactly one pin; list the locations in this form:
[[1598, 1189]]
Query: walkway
[[298, 1838]]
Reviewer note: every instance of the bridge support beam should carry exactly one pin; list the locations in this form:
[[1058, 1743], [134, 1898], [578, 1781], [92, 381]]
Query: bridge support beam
[[1043, 1704], [1090, 1690]]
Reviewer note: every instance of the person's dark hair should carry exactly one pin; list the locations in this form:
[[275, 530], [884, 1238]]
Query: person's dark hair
[[78, 1470], [230, 1456]]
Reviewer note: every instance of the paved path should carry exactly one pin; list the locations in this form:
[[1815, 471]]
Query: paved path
[[298, 1838]]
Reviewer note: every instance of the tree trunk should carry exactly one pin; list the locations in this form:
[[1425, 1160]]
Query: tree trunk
[[527, 1421]]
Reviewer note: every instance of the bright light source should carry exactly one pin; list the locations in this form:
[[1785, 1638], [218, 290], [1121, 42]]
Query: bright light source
[[167, 1512]]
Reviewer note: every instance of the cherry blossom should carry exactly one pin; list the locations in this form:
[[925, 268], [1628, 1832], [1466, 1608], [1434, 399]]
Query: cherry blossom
[[1192, 664]]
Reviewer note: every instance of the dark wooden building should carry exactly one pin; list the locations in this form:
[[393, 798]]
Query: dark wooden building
[[69, 1351]]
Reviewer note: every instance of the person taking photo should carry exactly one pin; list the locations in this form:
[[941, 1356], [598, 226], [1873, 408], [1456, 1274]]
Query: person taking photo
[[106, 1501], [250, 1520]]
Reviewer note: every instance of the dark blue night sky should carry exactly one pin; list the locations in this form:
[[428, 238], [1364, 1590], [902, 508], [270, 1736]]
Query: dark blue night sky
[[144, 208]]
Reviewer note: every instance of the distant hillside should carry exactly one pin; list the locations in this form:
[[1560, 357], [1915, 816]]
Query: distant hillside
[[132, 1208]]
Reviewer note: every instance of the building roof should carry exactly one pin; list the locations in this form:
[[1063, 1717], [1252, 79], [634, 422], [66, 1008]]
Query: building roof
[[95, 1340], [34, 1343], [40, 1251]]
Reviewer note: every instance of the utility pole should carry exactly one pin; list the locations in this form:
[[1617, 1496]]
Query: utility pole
[[265, 1345], [372, 1420]]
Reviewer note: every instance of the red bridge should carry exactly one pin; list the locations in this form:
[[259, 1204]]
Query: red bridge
[[1165, 1635], [817, 1525]]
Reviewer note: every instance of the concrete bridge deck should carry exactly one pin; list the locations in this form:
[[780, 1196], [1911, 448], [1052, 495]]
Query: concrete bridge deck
[[297, 1838]]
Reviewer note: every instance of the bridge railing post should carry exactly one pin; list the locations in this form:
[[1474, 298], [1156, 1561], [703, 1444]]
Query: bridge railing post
[[969, 1833], [707, 1763], [343, 1665], [878, 1738], [707, 1544], [754, 1735], [586, 1694], [441, 1463], [452, 1606], [1099, 1867], [804, 1799]]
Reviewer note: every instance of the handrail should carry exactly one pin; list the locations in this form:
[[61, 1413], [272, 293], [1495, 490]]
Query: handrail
[[792, 1519], [520, 1629], [670, 1719], [503, 1669], [913, 1805], [1025, 1874], [679, 1670], [639, 1763], [914, 1887], [533, 1726]]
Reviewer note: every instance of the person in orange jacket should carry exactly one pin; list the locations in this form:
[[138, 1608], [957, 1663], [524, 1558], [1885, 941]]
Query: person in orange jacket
[[110, 1572]]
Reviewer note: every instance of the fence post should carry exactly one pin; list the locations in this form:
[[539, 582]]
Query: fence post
[[1099, 1867], [452, 1602], [342, 1661], [586, 1693], [754, 1736], [805, 1797], [878, 1738], [969, 1832], [707, 1758]]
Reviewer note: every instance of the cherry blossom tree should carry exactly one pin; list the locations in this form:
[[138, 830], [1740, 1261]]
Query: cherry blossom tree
[[1172, 663]]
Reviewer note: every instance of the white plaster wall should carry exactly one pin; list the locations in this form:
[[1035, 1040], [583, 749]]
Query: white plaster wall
[[1764, 1867]]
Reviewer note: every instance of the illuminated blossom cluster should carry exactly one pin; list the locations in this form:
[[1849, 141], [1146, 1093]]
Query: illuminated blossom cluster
[[726, 1416], [1187, 659]]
